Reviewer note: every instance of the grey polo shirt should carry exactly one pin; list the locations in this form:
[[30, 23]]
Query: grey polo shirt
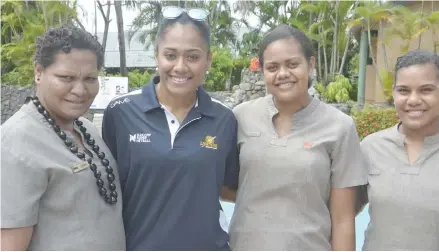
[[403, 197], [41, 188], [285, 182], [172, 174]]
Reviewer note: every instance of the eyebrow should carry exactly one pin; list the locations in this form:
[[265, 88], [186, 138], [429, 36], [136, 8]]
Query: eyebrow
[[422, 86], [275, 62], [189, 50]]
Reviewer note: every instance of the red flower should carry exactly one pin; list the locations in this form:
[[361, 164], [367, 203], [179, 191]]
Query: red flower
[[254, 65]]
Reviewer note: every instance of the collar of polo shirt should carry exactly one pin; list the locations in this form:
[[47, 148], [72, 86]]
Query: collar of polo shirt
[[150, 101]]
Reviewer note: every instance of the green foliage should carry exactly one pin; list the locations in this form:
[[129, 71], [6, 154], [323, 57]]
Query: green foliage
[[387, 78], [22, 22], [136, 78], [219, 73], [336, 91], [372, 119]]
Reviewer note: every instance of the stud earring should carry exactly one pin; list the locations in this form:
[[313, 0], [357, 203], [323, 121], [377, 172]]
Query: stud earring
[[156, 69], [207, 72]]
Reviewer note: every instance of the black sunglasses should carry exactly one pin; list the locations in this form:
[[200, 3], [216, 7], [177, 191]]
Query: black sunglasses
[[173, 12]]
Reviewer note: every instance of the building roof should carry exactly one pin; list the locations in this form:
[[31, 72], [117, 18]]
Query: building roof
[[136, 54]]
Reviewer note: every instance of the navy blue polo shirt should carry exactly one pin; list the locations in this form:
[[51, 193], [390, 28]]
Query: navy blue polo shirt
[[171, 177]]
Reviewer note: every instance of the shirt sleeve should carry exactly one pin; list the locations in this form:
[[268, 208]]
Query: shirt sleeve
[[22, 186], [232, 162], [109, 131], [348, 167]]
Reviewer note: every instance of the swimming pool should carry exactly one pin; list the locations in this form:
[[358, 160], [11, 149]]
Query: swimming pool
[[361, 221]]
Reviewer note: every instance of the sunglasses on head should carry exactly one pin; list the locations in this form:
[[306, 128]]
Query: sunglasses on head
[[173, 12]]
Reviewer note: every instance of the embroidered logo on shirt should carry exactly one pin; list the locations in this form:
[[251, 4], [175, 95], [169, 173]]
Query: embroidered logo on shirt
[[140, 138], [209, 142], [307, 144], [125, 100]]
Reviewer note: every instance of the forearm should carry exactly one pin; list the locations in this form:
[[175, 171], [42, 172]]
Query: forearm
[[15, 239], [343, 235]]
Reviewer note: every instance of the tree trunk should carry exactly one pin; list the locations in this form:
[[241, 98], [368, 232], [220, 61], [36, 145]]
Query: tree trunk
[[107, 21], [345, 54], [319, 61], [373, 58], [334, 39], [422, 16], [121, 37], [383, 46], [433, 31]]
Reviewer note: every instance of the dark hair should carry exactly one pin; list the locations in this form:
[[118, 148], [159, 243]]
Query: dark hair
[[417, 57], [284, 31], [201, 26], [66, 38]]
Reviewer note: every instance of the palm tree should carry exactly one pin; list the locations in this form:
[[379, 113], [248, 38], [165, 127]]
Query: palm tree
[[369, 15]]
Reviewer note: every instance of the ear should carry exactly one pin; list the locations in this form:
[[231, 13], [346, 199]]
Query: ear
[[38, 70]]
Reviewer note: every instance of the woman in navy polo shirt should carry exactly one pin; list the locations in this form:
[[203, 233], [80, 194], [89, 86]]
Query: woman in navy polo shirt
[[175, 145]]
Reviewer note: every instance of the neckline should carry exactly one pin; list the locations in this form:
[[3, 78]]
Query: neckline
[[400, 137], [297, 117]]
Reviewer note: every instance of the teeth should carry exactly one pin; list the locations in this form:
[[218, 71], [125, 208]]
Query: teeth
[[179, 80], [415, 113]]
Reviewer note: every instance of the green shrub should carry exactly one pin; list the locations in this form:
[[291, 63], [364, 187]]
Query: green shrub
[[138, 79], [337, 91], [373, 119], [135, 78], [219, 73]]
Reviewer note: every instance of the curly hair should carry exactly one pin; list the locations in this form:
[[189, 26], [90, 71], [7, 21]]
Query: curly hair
[[417, 57], [66, 38]]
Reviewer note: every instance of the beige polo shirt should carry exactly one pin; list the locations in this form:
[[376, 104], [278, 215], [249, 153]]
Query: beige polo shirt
[[40, 189], [285, 182], [403, 197]]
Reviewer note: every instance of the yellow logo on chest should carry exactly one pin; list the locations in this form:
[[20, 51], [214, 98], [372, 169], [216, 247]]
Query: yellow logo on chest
[[209, 142]]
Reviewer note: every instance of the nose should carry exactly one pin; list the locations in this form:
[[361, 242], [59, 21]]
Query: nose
[[414, 99], [79, 88], [283, 73], [180, 66]]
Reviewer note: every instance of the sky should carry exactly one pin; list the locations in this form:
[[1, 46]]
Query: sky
[[86, 13]]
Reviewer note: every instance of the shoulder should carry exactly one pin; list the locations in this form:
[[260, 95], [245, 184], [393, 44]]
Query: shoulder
[[378, 137], [335, 113], [22, 133], [250, 106], [222, 109], [125, 99]]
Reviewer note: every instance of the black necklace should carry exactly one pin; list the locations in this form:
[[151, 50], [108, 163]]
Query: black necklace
[[111, 196]]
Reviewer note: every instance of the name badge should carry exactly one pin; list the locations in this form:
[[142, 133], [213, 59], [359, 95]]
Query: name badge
[[79, 167]]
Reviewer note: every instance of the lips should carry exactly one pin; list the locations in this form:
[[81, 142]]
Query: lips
[[75, 102], [415, 113], [180, 80], [285, 85]]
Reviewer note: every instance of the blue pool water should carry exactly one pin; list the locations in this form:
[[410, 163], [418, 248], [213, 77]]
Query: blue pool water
[[361, 221]]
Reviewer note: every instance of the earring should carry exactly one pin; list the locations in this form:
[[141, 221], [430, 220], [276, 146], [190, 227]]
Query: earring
[[156, 69], [207, 72]]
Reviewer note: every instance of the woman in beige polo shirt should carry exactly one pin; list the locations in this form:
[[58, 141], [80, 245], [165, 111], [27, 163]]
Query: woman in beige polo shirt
[[300, 159], [53, 161], [403, 190]]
